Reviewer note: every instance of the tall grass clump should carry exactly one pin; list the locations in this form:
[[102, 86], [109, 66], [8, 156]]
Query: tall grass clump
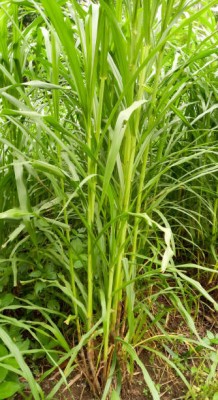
[[108, 181]]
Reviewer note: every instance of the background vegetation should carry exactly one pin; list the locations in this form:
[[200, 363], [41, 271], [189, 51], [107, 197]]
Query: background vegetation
[[109, 185]]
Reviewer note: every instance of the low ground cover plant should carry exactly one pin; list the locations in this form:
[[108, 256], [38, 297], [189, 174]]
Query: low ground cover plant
[[108, 207]]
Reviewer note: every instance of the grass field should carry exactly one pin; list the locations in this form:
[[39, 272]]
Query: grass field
[[109, 198]]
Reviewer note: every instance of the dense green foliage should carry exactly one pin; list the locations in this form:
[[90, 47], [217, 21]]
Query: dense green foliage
[[109, 184]]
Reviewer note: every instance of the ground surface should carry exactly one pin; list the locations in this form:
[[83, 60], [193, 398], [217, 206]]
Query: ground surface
[[170, 386]]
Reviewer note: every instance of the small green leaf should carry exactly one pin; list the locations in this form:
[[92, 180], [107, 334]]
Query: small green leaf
[[6, 300], [214, 341], [53, 305], [3, 373], [12, 362], [3, 351], [210, 335], [35, 274], [215, 396], [39, 287], [214, 357], [22, 345], [77, 246], [8, 389]]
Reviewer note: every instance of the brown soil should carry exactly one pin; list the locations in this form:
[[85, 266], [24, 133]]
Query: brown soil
[[170, 385]]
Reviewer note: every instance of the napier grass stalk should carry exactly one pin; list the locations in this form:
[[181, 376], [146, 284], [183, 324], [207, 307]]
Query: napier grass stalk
[[55, 56]]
